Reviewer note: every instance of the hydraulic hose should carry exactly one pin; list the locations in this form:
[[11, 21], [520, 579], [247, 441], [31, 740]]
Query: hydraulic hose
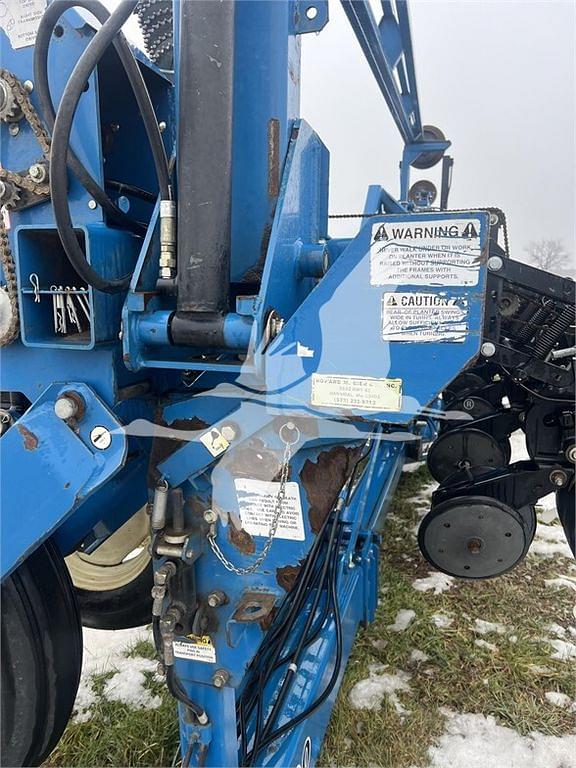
[[63, 126]]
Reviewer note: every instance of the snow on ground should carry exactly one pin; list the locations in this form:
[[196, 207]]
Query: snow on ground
[[404, 618], [564, 649], [476, 741], [485, 644], [370, 693], [436, 581], [412, 466], [442, 620], [550, 540], [417, 656], [105, 652], [568, 582], [482, 627], [561, 700]]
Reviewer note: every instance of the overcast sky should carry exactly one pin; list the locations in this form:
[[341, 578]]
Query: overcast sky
[[498, 79]]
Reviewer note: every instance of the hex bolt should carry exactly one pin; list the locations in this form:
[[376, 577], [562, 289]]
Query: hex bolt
[[571, 453], [101, 438], [14, 129], [92, 204], [38, 173], [217, 598], [228, 432], [495, 263], [220, 678], [210, 516], [488, 349], [162, 126], [558, 478], [65, 408], [28, 85]]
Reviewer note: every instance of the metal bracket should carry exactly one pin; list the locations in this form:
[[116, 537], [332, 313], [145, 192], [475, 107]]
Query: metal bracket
[[308, 16]]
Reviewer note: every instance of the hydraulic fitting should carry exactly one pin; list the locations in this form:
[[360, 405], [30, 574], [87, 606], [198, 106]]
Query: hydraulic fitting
[[167, 239]]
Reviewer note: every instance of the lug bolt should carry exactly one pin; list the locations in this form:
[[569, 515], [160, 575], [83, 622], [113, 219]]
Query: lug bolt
[[558, 478], [101, 438], [217, 598], [488, 349], [210, 516], [220, 678], [65, 408]]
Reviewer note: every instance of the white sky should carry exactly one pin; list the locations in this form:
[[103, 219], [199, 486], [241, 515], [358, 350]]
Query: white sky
[[498, 79]]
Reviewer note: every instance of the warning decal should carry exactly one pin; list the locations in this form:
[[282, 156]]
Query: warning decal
[[357, 392], [20, 20], [439, 252], [257, 500], [423, 317], [195, 648]]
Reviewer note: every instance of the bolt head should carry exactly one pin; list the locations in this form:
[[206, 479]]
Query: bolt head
[[14, 129], [488, 349], [92, 204], [228, 432], [220, 678], [37, 172], [571, 453], [162, 126], [101, 438], [210, 516], [495, 263], [29, 85], [558, 478], [65, 408]]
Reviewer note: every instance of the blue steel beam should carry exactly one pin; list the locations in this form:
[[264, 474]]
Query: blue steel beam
[[388, 49]]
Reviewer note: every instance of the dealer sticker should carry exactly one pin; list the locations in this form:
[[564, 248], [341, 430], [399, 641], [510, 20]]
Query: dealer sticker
[[357, 392], [424, 317], [257, 503], [426, 252], [195, 648]]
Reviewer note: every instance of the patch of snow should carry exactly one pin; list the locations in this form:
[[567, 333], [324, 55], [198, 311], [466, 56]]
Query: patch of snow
[[563, 650], [379, 644], [513, 638], [369, 693], [404, 618], [417, 656], [412, 466], [561, 582], [485, 644], [558, 699], [442, 620], [550, 540], [436, 581], [556, 629], [477, 741], [482, 627], [537, 669], [105, 652]]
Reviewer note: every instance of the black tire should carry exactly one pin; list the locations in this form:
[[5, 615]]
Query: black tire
[[123, 608], [41, 657]]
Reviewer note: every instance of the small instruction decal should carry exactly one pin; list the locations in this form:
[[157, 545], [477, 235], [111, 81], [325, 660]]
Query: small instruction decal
[[195, 648], [358, 392], [424, 317], [20, 20], [425, 252], [214, 440], [257, 501]]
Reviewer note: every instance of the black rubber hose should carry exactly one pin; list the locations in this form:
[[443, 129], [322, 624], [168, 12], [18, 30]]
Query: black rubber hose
[[136, 80], [60, 144], [42, 87]]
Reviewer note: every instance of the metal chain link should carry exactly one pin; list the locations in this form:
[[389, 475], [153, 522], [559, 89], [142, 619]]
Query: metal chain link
[[22, 182], [284, 471]]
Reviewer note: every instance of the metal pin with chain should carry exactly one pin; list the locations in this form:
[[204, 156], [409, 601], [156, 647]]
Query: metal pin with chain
[[289, 426]]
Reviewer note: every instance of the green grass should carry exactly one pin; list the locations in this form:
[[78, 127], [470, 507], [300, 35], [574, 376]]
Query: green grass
[[459, 675]]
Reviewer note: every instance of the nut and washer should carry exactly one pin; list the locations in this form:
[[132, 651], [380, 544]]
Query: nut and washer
[[495, 263], [220, 678], [558, 477], [38, 172], [101, 438], [217, 598], [488, 349], [571, 453]]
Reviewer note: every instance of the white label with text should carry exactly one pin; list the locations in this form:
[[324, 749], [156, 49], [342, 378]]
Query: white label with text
[[257, 503], [357, 392], [423, 317]]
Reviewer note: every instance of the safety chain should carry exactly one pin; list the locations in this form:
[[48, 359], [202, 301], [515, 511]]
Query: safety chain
[[284, 472], [22, 98]]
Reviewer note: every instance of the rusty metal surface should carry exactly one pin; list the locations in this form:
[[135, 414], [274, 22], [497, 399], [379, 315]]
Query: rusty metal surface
[[286, 576], [323, 480], [30, 439], [241, 539], [254, 606]]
